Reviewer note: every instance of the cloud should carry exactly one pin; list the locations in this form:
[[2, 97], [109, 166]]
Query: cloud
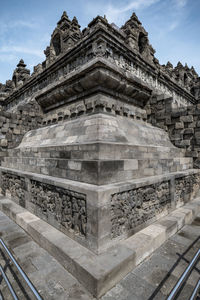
[[180, 3], [115, 14], [178, 14], [20, 49], [6, 26], [21, 23], [173, 25], [7, 57]]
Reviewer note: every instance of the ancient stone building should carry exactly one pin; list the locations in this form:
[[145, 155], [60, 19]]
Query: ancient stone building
[[100, 141]]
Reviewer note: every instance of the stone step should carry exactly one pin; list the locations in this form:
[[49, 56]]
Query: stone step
[[99, 151], [98, 273], [51, 280], [99, 171]]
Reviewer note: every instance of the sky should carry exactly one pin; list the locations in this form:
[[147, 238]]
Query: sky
[[26, 27]]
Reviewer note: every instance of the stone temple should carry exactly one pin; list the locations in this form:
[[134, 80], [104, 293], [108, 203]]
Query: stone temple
[[100, 149]]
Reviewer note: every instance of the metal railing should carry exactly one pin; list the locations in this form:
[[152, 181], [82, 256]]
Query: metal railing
[[8, 283], [196, 291], [179, 285], [33, 289]]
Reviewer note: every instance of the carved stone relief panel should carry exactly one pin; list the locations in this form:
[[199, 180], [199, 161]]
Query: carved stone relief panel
[[134, 207], [68, 207], [14, 186], [186, 187]]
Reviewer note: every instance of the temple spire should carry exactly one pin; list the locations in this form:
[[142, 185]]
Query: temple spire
[[64, 22]]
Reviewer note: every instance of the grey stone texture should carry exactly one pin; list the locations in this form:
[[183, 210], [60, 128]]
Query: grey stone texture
[[155, 277], [99, 144], [100, 272], [49, 277], [182, 124]]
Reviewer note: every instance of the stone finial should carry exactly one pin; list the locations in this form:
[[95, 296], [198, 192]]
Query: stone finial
[[133, 22], [75, 23], [20, 74], [137, 38], [135, 19], [65, 35], [64, 18], [179, 65], [21, 64], [193, 71], [105, 18], [169, 65], [74, 31]]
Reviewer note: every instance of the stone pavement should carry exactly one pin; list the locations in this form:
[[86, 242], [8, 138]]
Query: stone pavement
[[51, 280], [153, 279]]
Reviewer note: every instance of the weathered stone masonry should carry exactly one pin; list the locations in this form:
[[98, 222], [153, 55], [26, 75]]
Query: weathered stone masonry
[[99, 140], [55, 205], [132, 208], [182, 124]]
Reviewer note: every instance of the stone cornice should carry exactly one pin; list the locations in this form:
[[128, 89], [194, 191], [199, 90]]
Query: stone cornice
[[112, 48], [99, 75]]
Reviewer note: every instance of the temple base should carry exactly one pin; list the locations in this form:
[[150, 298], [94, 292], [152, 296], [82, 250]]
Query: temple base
[[99, 273]]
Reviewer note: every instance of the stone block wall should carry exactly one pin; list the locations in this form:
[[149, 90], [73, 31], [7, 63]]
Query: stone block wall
[[13, 126], [182, 124]]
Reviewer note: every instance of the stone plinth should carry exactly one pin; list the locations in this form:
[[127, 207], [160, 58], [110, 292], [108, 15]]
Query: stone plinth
[[99, 178]]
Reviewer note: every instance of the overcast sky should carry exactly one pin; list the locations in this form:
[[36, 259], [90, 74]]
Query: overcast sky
[[26, 27]]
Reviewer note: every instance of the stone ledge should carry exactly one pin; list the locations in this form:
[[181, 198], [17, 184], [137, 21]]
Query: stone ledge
[[112, 187], [98, 273]]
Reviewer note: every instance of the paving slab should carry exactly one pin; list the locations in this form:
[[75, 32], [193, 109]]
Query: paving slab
[[155, 277], [49, 277]]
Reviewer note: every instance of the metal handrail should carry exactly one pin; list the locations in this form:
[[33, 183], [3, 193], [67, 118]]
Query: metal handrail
[[33, 289], [184, 277], [8, 283], [196, 291]]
